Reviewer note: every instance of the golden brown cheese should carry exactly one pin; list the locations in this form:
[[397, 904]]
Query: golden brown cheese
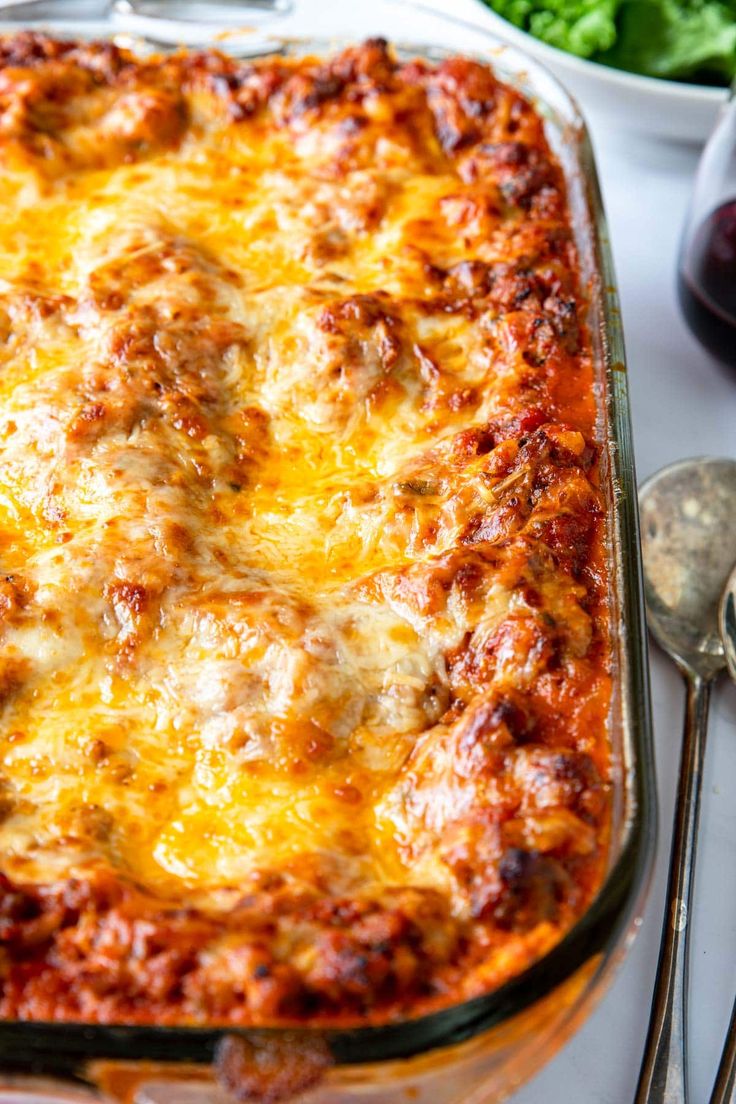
[[304, 655]]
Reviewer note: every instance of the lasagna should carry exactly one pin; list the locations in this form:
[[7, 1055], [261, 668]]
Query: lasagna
[[304, 645]]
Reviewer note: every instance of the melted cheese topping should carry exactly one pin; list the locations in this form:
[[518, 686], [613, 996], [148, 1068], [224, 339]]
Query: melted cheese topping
[[248, 538]]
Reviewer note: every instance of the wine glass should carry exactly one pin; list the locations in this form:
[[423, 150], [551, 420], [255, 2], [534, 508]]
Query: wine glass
[[707, 267]]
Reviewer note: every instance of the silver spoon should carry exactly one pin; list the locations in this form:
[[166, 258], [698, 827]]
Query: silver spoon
[[724, 1089], [688, 519]]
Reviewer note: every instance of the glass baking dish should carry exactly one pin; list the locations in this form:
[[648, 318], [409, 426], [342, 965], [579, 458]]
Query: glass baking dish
[[480, 1051]]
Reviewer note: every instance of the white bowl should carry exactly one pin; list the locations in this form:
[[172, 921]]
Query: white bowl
[[661, 108]]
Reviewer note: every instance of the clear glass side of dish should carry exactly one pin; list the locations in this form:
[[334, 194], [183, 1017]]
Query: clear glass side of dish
[[481, 1051]]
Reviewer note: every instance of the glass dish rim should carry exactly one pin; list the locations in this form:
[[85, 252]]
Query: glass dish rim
[[63, 1047]]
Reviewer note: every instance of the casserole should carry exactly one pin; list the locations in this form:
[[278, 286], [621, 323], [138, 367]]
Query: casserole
[[575, 955]]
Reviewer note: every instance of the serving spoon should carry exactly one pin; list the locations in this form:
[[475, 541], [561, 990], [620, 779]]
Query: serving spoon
[[724, 1089], [688, 521]]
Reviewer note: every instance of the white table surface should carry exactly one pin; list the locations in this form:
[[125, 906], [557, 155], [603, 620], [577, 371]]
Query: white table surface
[[683, 405]]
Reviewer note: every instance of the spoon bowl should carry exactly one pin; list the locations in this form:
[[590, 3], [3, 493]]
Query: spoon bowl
[[688, 519]]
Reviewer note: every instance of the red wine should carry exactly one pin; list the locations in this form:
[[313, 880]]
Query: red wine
[[707, 283]]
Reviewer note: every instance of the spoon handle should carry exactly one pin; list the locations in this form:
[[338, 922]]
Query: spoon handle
[[663, 1077], [723, 1090]]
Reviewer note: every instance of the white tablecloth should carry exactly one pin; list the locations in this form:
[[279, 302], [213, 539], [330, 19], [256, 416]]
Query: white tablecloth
[[683, 405]]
